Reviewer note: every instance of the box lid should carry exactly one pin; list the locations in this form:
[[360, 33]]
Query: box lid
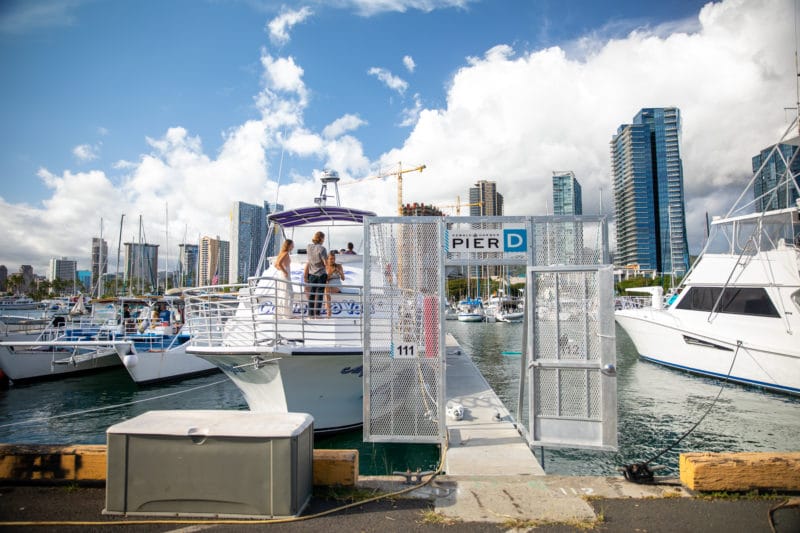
[[215, 423]]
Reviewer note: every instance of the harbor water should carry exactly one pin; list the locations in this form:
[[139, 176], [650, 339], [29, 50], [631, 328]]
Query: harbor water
[[656, 406]]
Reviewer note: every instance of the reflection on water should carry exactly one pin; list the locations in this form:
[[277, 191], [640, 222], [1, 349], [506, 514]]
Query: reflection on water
[[656, 406]]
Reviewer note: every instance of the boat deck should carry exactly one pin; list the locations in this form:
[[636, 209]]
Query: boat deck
[[485, 442]]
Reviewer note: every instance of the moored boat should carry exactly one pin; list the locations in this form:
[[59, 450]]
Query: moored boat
[[737, 313]]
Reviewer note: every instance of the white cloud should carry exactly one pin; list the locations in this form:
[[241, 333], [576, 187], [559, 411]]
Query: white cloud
[[516, 118], [342, 125], [408, 61], [393, 82], [373, 7], [18, 18], [411, 114], [279, 26], [86, 152]]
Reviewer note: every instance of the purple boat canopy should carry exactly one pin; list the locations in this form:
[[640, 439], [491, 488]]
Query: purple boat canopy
[[318, 214]]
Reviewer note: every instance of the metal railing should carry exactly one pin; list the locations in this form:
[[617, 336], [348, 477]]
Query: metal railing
[[259, 314]]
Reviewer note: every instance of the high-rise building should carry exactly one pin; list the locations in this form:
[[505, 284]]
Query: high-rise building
[[26, 271], [248, 233], [567, 198], [249, 228], [485, 200], [3, 278], [141, 267], [648, 192], [187, 265], [213, 259], [774, 173], [99, 265], [85, 279], [63, 269]]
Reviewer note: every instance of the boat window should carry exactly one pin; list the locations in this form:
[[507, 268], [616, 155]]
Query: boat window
[[752, 301]]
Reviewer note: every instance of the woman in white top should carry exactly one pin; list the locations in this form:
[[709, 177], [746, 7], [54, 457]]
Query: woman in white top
[[335, 273], [284, 292]]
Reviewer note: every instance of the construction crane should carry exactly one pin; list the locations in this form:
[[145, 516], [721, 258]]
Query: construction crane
[[458, 205], [399, 174]]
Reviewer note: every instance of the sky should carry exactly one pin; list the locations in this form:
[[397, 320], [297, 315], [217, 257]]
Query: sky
[[171, 110]]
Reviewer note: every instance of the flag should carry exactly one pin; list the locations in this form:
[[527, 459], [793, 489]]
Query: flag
[[215, 279]]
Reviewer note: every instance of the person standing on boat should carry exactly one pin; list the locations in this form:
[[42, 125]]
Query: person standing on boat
[[284, 293], [349, 250], [335, 273], [315, 273]]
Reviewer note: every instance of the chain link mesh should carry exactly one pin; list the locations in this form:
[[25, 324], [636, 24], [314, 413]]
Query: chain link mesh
[[404, 359]]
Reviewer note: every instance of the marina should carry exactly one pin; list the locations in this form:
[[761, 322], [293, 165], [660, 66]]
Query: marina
[[656, 406]]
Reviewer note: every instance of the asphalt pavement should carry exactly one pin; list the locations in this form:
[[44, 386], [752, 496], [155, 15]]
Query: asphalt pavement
[[60, 508]]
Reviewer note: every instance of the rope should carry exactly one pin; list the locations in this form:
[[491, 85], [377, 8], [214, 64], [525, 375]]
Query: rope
[[640, 472], [243, 521], [75, 413]]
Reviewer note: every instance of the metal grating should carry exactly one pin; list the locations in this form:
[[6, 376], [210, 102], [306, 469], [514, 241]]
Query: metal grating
[[403, 355], [572, 398]]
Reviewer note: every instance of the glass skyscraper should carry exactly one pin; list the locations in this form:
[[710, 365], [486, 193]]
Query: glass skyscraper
[[774, 173], [648, 192], [248, 233], [567, 198]]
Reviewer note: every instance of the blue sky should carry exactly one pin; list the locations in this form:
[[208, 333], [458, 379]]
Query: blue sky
[[114, 107]]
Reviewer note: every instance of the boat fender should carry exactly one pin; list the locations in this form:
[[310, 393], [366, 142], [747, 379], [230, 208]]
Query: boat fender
[[130, 360], [455, 410]]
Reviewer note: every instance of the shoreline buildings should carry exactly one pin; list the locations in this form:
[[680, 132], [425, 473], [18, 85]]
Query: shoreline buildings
[[769, 178], [648, 192]]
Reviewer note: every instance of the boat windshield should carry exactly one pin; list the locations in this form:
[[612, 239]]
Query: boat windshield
[[750, 234]]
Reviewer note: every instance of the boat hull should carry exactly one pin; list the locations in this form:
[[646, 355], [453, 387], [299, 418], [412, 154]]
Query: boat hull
[[146, 366], [31, 365], [324, 384], [667, 338]]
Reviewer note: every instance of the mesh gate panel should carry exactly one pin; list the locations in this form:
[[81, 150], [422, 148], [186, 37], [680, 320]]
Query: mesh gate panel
[[572, 401], [403, 357]]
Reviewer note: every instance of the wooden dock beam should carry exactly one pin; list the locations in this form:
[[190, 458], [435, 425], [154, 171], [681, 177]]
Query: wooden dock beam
[[86, 464], [741, 471]]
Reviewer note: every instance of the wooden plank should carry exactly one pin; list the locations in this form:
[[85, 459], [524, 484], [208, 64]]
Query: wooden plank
[[336, 467], [87, 463], [741, 471]]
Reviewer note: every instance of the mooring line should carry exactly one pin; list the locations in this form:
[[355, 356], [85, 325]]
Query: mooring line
[[75, 413]]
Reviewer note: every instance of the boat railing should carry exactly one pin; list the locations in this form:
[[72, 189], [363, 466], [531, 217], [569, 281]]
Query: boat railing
[[258, 314], [632, 302]]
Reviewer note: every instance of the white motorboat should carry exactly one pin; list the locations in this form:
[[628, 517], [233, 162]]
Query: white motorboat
[[287, 360], [154, 349], [71, 348], [471, 310], [737, 314], [18, 304]]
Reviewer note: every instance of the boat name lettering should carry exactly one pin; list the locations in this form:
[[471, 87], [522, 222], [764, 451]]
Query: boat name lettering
[[358, 370]]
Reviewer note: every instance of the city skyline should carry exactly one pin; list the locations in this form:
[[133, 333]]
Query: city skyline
[[175, 110]]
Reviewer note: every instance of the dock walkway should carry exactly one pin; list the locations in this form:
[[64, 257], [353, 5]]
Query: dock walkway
[[486, 441]]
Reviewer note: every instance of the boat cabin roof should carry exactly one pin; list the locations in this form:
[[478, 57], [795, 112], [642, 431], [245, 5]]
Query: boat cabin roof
[[319, 214]]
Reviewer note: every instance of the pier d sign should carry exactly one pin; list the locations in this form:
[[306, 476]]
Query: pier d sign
[[488, 240]]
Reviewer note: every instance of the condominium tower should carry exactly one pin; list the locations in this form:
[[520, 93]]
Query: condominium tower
[[99, 265], [141, 267], [567, 199], [774, 165], [187, 265], [648, 192], [248, 237], [485, 200], [213, 259]]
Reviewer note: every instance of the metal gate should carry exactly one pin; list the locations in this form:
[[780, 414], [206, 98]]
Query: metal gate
[[404, 357], [573, 392]]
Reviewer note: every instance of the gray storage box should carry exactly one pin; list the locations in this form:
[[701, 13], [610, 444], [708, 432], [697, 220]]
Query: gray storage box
[[210, 463]]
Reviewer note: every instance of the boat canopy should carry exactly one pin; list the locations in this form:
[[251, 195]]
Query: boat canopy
[[317, 214]]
